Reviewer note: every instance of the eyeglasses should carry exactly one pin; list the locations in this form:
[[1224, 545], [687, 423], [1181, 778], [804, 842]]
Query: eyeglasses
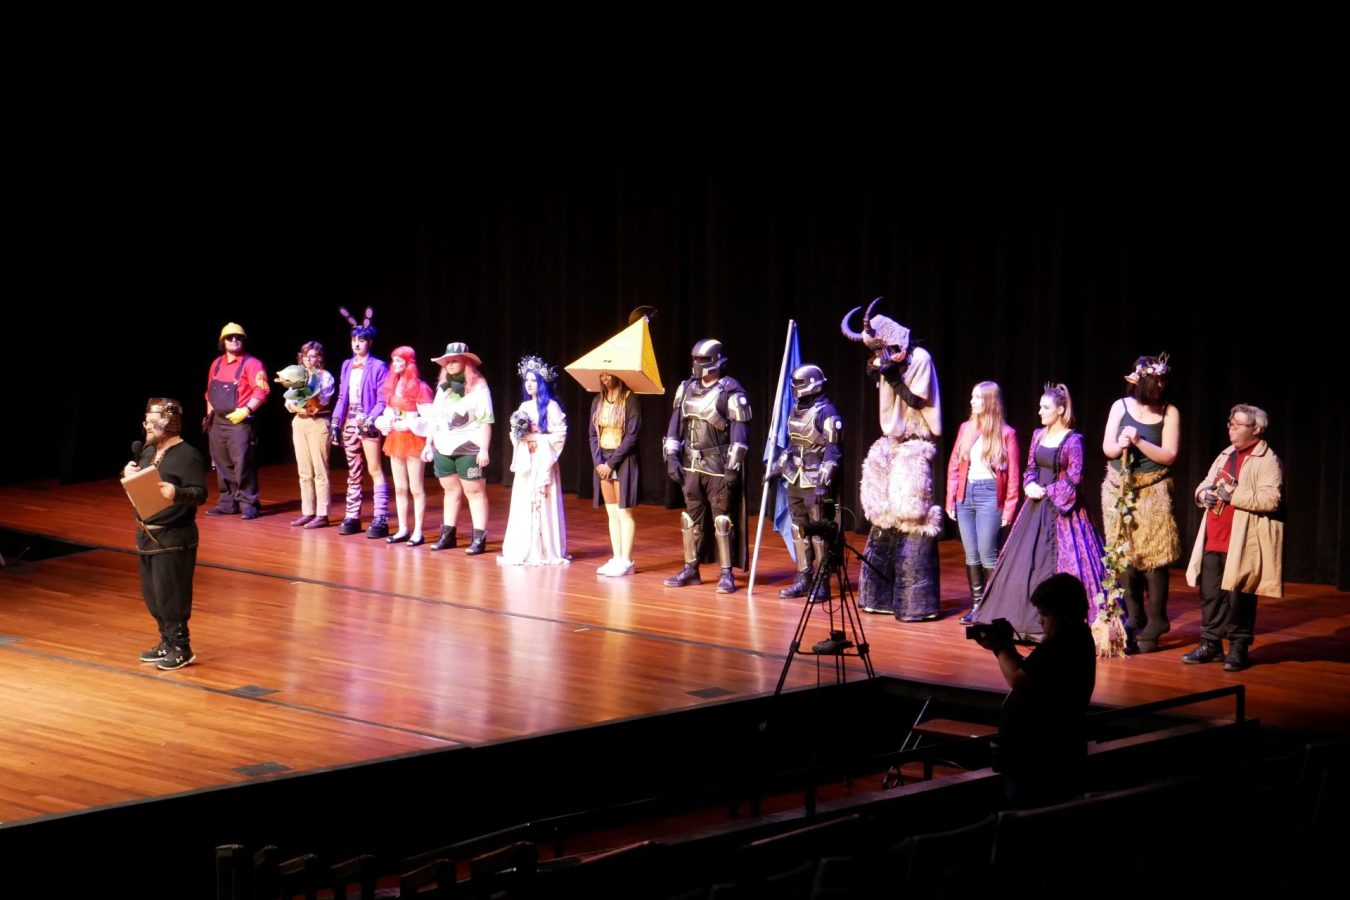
[[234, 337], [1234, 423]]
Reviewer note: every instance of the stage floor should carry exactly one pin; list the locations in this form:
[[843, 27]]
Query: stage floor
[[316, 650]]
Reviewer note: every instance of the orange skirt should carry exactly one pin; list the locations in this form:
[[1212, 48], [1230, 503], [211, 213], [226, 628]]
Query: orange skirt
[[403, 445]]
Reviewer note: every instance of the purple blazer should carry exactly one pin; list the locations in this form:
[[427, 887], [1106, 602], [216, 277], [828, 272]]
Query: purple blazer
[[372, 389]]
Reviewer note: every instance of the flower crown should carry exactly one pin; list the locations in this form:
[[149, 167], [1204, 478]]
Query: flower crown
[[1158, 367], [540, 368]]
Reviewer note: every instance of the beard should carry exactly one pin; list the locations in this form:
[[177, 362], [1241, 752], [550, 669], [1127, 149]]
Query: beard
[[160, 432]]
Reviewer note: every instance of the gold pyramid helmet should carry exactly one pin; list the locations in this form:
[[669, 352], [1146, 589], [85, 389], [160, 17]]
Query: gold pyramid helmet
[[627, 355]]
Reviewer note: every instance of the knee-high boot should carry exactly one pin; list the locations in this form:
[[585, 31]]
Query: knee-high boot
[[1157, 623], [975, 576]]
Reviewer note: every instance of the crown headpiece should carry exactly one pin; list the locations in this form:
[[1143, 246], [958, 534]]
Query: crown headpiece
[[540, 368]]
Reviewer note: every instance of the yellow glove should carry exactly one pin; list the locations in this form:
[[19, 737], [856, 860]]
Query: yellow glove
[[238, 415]]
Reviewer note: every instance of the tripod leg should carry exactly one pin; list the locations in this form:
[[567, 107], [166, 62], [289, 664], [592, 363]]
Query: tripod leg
[[795, 647]]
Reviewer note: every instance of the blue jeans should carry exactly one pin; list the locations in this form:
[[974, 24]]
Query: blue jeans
[[978, 518]]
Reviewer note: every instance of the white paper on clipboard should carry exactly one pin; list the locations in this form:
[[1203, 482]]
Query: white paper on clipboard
[[143, 489]]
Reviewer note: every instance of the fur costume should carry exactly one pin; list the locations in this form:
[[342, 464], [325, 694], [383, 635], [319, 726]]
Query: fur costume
[[1154, 540], [897, 497], [897, 475], [897, 487]]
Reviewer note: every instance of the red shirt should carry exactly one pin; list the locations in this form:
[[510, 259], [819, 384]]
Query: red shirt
[[250, 380], [1219, 528]]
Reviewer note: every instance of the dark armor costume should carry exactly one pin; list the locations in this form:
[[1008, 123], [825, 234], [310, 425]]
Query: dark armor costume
[[807, 466], [705, 449]]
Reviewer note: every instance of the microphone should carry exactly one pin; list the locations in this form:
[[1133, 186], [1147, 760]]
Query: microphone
[[136, 448]]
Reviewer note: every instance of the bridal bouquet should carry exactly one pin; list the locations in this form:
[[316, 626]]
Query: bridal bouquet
[[520, 425]]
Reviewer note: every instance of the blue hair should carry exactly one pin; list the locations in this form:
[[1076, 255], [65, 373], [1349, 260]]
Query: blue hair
[[542, 395]]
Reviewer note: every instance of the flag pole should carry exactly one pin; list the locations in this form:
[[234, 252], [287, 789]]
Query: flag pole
[[773, 435]]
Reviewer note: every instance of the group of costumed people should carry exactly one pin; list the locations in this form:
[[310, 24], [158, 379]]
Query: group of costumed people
[[1052, 533], [376, 409], [384, 409]]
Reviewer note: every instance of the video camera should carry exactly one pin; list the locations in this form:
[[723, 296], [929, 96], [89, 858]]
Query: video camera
[[999, 630]]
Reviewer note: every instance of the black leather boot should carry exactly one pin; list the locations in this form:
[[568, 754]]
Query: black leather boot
[[478, 544], [1207, 652], [1236, 660], [448, 539], [1156, 604], [379, 528], [975, 578]]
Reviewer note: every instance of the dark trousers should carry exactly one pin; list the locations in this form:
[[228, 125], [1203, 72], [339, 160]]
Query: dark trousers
[[1224, 614], [705, 495], [232, 450], [166, 585], [803, 505]]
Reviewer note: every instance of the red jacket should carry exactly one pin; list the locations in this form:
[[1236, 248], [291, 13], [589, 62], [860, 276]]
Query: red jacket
[[959, 466]]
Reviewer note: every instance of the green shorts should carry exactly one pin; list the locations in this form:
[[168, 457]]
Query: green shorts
[[462, 465]]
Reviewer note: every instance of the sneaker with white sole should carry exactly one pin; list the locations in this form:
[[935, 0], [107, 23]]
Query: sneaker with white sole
[[155, 653]]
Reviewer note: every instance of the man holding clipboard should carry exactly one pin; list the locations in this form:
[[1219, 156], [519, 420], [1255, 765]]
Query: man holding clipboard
[[166, 481]]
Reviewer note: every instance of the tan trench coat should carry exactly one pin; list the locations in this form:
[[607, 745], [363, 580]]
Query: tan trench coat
[[1255, 562]]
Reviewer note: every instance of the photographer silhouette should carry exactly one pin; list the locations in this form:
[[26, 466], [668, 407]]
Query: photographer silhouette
[[1041, 749]]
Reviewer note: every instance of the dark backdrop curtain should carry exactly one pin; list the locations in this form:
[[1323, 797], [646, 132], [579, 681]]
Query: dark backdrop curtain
[[147, 227]]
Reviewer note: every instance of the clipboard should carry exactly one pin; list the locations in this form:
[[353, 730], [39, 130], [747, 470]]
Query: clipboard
[[143, 491]]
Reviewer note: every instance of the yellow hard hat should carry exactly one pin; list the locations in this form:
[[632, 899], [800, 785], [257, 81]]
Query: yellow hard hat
[[232, 328]]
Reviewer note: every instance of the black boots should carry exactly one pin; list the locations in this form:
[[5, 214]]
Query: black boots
[[379, 528], [448, 539], [478, 544], [1146, 606], [1207, 652], [1236, 660], [975, 576]]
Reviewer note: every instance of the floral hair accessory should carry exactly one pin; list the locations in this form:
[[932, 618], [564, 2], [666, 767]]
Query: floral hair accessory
[[1150, 365], [540, 368]]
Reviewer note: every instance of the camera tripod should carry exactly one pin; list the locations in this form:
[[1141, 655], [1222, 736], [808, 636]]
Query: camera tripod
[[847, 638]]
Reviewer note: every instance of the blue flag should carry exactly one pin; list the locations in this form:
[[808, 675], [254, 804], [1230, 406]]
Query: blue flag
[[778, 440]]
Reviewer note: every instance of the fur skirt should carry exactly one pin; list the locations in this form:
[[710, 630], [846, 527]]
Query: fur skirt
[[1154, 541]]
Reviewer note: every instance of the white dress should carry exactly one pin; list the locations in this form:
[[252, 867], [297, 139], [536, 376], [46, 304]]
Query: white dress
[[536, 530]]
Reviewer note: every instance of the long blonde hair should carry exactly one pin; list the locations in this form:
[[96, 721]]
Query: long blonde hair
[[989, 425]]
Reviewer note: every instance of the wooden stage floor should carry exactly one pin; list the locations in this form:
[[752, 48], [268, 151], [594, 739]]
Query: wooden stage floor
[[316, 650]]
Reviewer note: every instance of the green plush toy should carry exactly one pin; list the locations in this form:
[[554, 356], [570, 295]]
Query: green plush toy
[[300, 386]]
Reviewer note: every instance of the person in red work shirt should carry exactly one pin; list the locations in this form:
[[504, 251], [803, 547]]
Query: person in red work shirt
[[235, 387], [1239, 550]]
